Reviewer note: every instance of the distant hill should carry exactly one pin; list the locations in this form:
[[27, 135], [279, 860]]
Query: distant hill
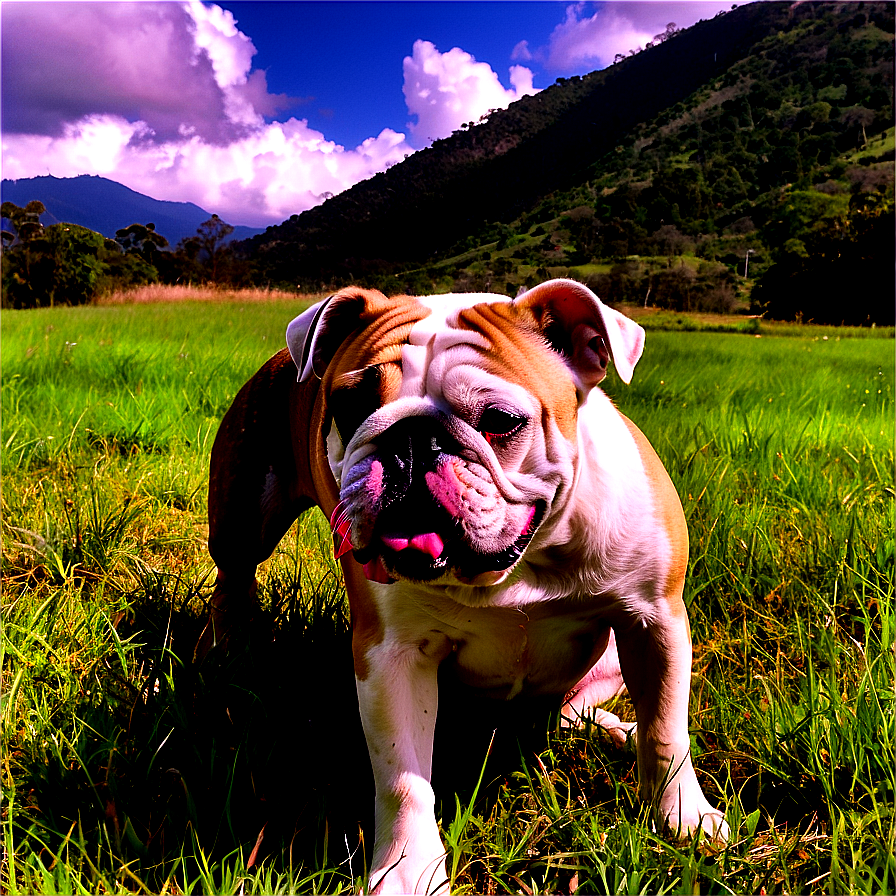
[[105, 206]]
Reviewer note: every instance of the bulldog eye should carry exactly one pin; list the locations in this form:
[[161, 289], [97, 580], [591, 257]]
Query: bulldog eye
[[498, 423]]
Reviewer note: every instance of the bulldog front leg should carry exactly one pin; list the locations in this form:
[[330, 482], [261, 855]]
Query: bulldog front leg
[[399, 701], [655, 656]]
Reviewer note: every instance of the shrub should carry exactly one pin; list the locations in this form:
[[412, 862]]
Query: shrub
[[61, 266]]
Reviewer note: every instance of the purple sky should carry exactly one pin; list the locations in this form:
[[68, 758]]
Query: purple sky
[[258, 110]]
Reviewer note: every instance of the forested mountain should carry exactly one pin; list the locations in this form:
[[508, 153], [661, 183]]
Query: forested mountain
[[763, 135]]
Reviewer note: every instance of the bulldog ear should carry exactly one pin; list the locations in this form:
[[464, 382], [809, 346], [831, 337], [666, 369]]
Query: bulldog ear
[[315, 335], [584, 330]]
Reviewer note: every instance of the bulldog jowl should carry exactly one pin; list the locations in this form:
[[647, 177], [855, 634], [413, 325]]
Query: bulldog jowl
[[421, 507]]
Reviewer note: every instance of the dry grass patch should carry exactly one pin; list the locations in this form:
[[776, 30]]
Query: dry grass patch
[[653, 318], [153, 293]]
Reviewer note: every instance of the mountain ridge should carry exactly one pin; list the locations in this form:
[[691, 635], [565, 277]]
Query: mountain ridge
[[105, 205], [482, 185]]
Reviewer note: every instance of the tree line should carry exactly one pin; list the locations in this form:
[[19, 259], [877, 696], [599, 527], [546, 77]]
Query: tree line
[[67, 264]]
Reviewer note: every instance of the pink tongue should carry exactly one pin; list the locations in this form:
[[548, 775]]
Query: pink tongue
[[427, 543]]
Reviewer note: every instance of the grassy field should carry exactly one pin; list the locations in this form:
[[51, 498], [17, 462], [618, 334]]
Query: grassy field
[[127, 768]]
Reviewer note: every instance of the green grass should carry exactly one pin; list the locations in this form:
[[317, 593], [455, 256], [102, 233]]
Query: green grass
[[876, 146], [126, 768]]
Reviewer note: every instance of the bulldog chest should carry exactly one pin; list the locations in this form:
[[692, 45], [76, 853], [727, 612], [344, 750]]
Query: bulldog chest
[[527, 645]]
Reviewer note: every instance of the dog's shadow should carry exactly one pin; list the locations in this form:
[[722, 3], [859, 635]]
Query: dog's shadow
[[257, 748]]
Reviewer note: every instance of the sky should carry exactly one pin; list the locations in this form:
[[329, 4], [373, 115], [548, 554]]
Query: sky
[[260, 109]]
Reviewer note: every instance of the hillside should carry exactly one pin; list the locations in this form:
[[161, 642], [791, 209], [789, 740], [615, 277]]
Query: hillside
[[726, 142], [106, 206], [743, 164], [497, 169]]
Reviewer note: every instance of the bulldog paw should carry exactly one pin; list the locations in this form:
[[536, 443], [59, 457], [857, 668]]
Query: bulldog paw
[[400, 878], [697, 820], [713, 824], [621, 733]]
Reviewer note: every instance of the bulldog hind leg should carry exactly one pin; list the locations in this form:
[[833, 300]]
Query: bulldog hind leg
[[603, 682], [252, 498], [246, 536]]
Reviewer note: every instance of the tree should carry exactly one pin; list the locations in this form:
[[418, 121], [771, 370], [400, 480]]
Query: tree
[[20, 251], [210, 247], [25, 221], [842, 273], [60, 264], [672, 288], [125, 270], [669, 240], [795, 215], [583, 226], [858, 117], [73, 265], [671, 29], [142, 239]]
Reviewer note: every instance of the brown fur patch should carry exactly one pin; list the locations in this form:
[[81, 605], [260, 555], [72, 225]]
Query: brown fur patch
[[669, 514], [520, 354], [376, 328]]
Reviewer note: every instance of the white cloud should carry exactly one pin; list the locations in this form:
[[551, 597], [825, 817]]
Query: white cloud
[[230, 52], [521, 52], [273, 172], [521, 80], [583, 41], [446, 90], [592, 41]]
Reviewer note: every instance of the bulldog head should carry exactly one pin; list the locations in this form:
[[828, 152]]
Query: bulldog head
[[453, 420]]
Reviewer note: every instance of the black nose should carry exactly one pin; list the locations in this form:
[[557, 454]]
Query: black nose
[[417, 440], [409, 450]]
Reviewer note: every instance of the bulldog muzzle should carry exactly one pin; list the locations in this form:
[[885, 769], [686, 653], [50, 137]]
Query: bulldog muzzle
[[420, 505]]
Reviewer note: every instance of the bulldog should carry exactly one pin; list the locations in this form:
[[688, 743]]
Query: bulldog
[[492, 511]]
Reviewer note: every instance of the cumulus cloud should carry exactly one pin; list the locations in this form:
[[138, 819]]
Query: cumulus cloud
[[445, 90], [586, 41], [521, 52], [162, 97], [271, 173], [592, 41], [140, 61]]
